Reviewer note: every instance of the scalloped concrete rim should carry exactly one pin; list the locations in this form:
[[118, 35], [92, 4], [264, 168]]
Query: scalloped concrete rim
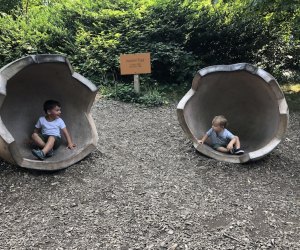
[[208, 79], [10, 149]]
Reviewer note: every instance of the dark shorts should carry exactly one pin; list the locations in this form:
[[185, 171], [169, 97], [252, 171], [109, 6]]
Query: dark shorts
[[216, 146], [57, 141]]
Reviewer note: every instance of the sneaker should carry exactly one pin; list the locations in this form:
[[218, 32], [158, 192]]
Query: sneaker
[[50, 153], [239, 151], [38, 153], [232, 151]]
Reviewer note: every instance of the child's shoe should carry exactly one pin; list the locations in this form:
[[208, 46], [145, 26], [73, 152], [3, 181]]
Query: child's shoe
[[236, 151], [231, 151], [38, 153], [239, 151]]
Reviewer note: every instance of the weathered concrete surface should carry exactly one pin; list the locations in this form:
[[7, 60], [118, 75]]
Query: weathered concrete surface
[[25, 84], [251, 100]]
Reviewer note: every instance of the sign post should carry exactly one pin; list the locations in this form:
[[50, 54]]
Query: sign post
[[136, 83], [135, 64]]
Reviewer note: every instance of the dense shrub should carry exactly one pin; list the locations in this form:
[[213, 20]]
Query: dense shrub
[[182, 36], [8, 6]]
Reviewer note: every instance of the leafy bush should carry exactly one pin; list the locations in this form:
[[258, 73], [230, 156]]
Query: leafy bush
[[126, 93], [149, 96], [40, 31], [152, 98], [7, 6], [182, 36]]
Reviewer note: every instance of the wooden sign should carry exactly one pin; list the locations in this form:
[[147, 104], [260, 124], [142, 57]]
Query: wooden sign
[[134, 64]]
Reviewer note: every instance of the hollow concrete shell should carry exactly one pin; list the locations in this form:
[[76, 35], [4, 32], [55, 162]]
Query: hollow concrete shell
[[25, 85], [251, 100]]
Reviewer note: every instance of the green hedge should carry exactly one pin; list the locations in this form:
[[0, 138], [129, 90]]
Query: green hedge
[[182, 36]]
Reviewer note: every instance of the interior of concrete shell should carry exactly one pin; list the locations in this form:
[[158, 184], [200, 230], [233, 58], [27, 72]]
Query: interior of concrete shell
[[244, 99], [22, 106]]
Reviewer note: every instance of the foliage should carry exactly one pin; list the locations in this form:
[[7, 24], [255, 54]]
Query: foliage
[[292, 95], [182, 35], [37, 32], [125, 92], [152, 98], [149, 96], [7, 6]]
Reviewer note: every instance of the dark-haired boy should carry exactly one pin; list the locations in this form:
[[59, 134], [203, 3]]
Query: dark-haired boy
[[46, 134]]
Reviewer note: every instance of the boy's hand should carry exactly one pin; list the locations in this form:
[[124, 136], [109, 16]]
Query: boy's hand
[[71, 146], [200, 141], [229, 146]]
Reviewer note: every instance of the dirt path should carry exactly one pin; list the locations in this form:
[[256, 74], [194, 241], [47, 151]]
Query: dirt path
[[147, 188]]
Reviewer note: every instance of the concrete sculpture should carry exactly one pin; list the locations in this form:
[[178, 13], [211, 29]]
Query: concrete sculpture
[[24, 86], [251, 100]]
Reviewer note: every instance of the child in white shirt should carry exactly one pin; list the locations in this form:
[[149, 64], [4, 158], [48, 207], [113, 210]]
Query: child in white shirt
[[46, 134]]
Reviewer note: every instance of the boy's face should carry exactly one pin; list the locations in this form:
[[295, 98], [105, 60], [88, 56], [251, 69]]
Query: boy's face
[[217, 127], [55, 112]]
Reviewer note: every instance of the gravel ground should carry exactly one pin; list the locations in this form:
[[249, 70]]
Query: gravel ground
[[146, 187]]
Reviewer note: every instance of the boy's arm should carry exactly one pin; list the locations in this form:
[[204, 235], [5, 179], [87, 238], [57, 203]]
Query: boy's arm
[[203, 139], [71, 145], [231, 143]]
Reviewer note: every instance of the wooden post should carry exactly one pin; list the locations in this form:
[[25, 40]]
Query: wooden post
[[136, 83]]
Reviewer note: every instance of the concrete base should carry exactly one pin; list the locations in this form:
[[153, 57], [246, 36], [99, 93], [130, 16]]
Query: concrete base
[[251, 100], [25, 85]]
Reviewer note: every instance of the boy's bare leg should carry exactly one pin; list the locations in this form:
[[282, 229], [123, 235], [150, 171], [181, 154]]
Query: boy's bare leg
[[49, 145], [38, 140], [222, 149]]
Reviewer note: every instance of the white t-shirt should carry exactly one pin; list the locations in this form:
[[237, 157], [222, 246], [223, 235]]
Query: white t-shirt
[[50, 128]]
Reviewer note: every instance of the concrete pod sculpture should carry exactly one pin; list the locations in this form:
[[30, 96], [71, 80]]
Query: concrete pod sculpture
[[251, 100], [25, 85]]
